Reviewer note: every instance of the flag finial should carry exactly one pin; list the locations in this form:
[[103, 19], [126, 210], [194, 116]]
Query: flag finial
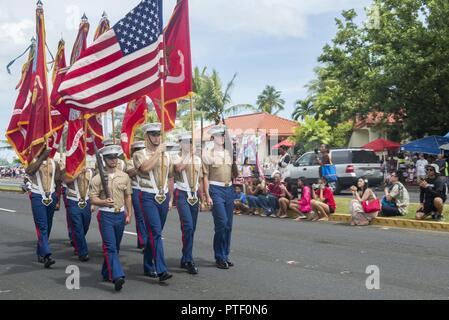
[[39, 4], [84, 18], [104, 16]]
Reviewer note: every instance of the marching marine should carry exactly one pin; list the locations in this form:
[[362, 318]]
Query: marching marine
[[219, 193], [187, 174], [153, 181], [45, 176], [142, 233], [113, 197], [79, 210]]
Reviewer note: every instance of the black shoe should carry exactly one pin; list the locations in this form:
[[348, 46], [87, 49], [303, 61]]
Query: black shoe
[[48, 262], [230, 264], [40, 259], [222, 265], [84, 258], [118, 284], [164, 276], [191, 268], [152, 274]]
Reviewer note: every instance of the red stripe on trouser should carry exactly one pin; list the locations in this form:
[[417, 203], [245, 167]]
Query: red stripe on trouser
[[38, 232], [72, 228], [180, 219], [150, 234], [105, 251], [139, 232]]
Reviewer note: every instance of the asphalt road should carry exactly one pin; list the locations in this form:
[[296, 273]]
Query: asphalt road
[[275, 259]]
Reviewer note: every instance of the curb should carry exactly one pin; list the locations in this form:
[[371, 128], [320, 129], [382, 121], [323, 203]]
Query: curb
[[398, 223], [11, 189]]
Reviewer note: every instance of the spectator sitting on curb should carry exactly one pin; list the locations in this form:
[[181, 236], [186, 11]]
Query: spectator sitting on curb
[[433, 194], [241, 203], [303, 206], [279, 196], [396, 200], [323, 203], [361, 193]]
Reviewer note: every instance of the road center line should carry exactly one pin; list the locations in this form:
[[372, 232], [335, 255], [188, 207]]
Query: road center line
[[7, 210]]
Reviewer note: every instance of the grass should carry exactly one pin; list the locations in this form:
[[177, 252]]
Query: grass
[[343, 208]]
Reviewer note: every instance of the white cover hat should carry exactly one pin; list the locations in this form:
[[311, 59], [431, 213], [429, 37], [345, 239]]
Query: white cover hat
[[152, 127], [138, 144], [110, 150], [217, 130]]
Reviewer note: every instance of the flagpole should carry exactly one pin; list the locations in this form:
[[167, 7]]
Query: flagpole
[[163, 126], [113, 125], [85, 148], [192, 145]]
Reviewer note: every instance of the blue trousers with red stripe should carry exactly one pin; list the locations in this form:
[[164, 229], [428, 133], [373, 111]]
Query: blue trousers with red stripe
[[155, 216], [111, 227], [188, 215], [43, 220], [67, 216], [79, 223], [142, 233], [223, 213]]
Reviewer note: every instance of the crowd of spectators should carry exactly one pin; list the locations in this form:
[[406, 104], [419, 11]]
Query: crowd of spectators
[[12, 173]]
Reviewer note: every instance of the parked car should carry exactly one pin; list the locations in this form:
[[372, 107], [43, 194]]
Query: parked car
[[351, 164]]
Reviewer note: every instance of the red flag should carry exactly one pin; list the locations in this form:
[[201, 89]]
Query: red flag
[[75, 156], [39, 125], [76, 146], [17, 129], [58, 119], [178, 82], [134, 117]]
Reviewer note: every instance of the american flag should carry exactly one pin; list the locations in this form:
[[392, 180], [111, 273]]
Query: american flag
[[121, 65]]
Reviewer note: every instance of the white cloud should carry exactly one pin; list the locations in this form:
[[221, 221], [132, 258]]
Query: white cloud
[[15, 32], [280, 18]]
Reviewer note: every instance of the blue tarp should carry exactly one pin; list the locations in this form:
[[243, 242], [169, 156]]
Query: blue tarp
[[428, 145]]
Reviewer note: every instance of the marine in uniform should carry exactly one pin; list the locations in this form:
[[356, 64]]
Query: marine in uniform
[[113, 213], [121, 163], [142, 233], [45, 176], [186, 178], [155, 198], [79, 210], [217, 171]]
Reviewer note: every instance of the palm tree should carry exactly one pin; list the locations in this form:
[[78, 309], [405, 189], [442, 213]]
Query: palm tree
[[212, 101], [270, 101], [5, 146], [303, 108]]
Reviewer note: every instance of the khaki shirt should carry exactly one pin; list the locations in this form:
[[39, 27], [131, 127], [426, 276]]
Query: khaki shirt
[[119, 185], [178, 177], [143, 155], [83, 181], [130, 166], [217, 166], [46, 175]]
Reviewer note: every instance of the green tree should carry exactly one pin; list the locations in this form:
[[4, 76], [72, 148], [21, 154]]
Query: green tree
[[303, 108], [397, 66], [270, 101], [312, 132]]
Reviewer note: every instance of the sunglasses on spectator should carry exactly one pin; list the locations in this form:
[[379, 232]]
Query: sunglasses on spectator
[[430, 170], [154, 134], [111, 157]]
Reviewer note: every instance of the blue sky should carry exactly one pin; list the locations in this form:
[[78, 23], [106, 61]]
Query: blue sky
[[274, 42]]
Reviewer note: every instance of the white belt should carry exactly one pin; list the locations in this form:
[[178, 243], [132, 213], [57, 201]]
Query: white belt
[[137, 188], [220, 184], [182, 186], [112, 210], [153, 191], [76, 199]]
